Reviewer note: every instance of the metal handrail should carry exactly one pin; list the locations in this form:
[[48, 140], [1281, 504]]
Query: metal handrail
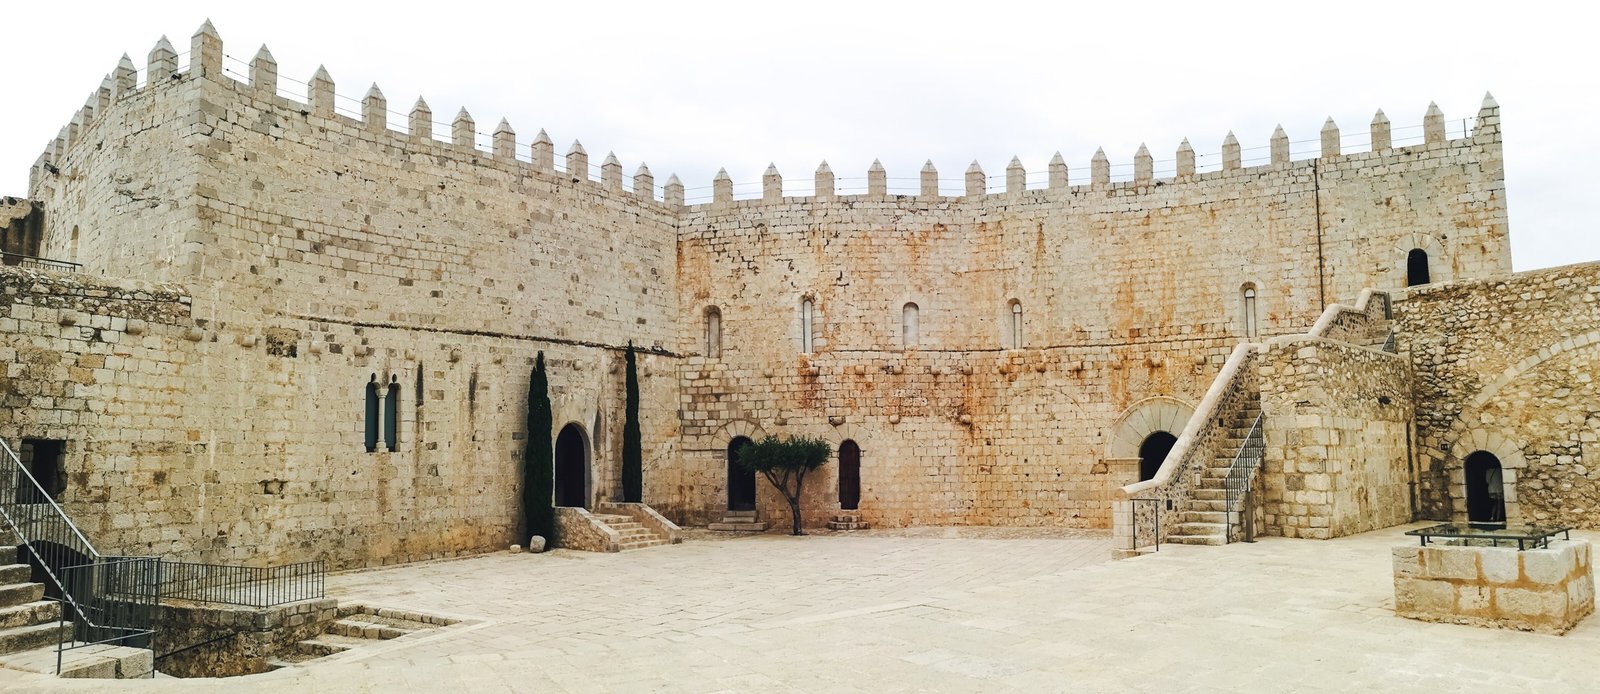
[[25, 260], [1241, 474], [61, 550], [1156, 515]]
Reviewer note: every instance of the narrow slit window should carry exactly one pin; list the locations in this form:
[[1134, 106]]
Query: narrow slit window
[[1251, 327], [909, 326], [806, 310], [372, 415], [713, 333], [391, 415], [1016, 325]]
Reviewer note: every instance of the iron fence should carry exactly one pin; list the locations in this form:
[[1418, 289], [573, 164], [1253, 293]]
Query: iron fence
[[36, 263], [245, 586], [113, 601]]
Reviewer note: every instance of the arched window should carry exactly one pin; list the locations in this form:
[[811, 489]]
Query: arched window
[[713, 332], [909, 326], [1016, 325], [391, 415], [806, 309], [372, 414], [1247, 299], [1417, 268]]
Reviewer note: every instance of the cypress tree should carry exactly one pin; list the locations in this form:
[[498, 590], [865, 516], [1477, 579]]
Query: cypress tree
[[538, 460], [632, 447]]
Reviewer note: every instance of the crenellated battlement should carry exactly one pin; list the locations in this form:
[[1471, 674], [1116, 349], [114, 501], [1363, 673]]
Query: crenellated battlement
[[259, 77]]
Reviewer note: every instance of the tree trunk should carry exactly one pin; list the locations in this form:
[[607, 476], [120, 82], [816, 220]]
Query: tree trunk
[[794, 501]]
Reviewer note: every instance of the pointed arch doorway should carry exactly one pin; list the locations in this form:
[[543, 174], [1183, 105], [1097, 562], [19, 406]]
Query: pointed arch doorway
[[572, 467]]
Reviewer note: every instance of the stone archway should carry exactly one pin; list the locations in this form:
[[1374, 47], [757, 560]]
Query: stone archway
[[572, 467], [741, 481], [1153, 451]]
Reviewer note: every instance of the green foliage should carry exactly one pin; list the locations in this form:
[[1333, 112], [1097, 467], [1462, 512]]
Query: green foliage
[[538, 460], [785, 462], [632, 446], [796, 453]]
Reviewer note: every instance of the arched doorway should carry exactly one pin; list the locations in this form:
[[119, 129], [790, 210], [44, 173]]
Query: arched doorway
[[849, 475], [1486, 493], [572, 468], [1153, 452], [741, 482], [1417, 268]]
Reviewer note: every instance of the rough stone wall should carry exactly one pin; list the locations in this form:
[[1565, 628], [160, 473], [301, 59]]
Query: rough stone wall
[[1508, 366], [211, 640], [21, 228], [1337, 420], [1128, 291]]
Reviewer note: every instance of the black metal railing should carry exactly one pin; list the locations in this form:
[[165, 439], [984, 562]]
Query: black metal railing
[[1147, 523], [76, 571], [1241, 476], [36, 263], [245, 586], [114, 601]]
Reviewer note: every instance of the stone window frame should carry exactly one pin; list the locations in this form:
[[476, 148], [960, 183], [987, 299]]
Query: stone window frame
[[910, 325], [1014, 321], [1250, 310], [1439, 268], [711, 322], [806, 330], [374, 410]]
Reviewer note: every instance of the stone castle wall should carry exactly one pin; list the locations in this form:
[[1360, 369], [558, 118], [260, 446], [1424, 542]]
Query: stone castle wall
[[1127, 291], [1508, 365], [320, 252]]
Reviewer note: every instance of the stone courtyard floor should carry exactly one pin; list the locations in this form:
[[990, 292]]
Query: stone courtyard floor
[[928, 610]]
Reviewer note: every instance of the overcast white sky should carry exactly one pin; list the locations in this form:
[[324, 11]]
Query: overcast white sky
[[690, 87]]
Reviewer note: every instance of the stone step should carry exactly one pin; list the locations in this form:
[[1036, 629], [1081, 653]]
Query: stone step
[[625, 527], [738, 526], [8, 554], [1210, 494], [847, 525], [1208, 540], [738, 514], [611, 518], [30, 613], [1197, 516], [11, 574], [640, 544], [361, 629], [1204, 505], [1218, 529], [329, 644], [20, 593], [27, 638], [97, 661]]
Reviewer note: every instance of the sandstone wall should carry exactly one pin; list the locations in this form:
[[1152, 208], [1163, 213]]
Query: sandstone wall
[[1337, 419], [1128, 291], [1508, 366]]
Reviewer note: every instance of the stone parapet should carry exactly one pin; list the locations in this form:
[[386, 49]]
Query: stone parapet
[[576, 528]]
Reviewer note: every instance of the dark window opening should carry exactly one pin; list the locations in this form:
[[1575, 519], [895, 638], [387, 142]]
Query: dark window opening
[[1153, 452], [372, 414], [391, 415], [1486, 492], [1417, 268], [43, 459]]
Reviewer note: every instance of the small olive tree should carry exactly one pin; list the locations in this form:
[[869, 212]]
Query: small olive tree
[[783, 461]]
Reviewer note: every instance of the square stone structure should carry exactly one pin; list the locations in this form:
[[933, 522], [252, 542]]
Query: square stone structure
[[1544, 590]]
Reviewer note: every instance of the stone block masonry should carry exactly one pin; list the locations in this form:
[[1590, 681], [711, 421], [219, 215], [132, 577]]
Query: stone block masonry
[[1545, 590], [980, 350]]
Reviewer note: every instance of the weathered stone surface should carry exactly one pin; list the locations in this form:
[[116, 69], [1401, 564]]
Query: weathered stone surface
[[1547, 590]]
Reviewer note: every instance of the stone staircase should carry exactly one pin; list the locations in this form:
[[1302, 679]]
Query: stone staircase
[[31, 628], [739, 521], [847, 520], [27, 620], [1206, 519], [634, 535], [357, 626]]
